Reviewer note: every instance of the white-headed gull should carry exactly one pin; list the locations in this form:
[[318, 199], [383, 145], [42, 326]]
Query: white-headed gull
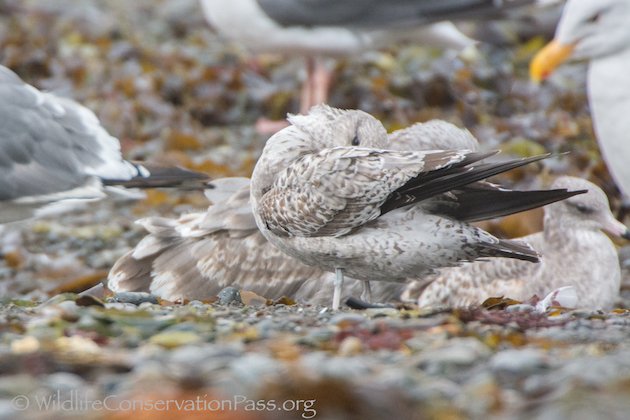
[[598, 31], [318, 28], [54, 150]]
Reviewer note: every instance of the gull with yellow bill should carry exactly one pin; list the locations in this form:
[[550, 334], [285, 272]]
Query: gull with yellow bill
[[598, 31]]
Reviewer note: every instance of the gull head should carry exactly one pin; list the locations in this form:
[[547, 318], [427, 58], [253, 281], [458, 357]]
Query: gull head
[[590, 211], [322, 128], [587, 30], [326, 127]]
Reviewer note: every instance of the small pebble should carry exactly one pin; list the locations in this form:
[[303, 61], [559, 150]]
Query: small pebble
[[229, 295], [350, 346], [521, 361], [135, 298]]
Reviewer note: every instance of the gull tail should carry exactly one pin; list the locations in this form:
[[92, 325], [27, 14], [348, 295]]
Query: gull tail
[[156, 176], [511, 248]]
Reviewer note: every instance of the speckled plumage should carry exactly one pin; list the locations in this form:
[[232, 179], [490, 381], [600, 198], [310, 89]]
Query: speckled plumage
[[197, 255], [179, 258], [574, 252], [320, 188]]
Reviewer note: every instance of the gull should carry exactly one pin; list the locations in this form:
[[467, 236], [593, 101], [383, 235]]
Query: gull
[[574, 252], [327, 192], [199, 254], [55, 151], [317, 28], [599, 32]]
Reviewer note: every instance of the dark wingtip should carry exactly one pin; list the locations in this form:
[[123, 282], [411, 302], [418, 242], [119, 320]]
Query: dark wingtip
[[563, 194], [164, 177], [576, 192], [530, 258]]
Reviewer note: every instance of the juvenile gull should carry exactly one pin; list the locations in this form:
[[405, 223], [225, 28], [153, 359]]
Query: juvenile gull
[[326, 191], [317, 28], [574, 252], [197, 255], [52, 150], [598, 31]]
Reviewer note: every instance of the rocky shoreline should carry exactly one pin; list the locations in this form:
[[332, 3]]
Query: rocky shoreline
[[163, 83]]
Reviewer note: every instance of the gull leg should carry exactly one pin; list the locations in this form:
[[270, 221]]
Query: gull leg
[[317, 84], [306, 96], [321, 82], [366, 294], [314, 92], [338, 286]]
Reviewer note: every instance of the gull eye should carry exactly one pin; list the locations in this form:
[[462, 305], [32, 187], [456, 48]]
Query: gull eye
[[594, 18], [355, 141], [583, 209]]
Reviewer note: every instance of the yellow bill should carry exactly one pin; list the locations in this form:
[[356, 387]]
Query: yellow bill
[[546, 60]]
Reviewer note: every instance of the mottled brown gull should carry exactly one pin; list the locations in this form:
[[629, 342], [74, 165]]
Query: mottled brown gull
[[574, 252], [598, 31], [187, 258], [327, 192], [197, 255], [317, 28], [53, 150]]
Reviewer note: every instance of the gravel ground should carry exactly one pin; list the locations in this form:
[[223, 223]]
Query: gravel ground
[[163, 83], [350, 364]]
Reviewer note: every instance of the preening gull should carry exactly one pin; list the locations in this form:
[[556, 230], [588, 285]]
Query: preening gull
[[53, 149], [574, 252], [316, 28], [598, 31], [197, 255], [328, 192]]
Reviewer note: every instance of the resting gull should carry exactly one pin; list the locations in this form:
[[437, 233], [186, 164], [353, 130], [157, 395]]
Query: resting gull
[[54, 150], [197, 255], [598, 31], [574, 252], [327, 192], [316, 28]]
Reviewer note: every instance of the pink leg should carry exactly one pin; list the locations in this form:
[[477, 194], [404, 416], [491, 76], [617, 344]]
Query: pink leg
[[321, 82], [314, 91], [306, 94], [316, 85]]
